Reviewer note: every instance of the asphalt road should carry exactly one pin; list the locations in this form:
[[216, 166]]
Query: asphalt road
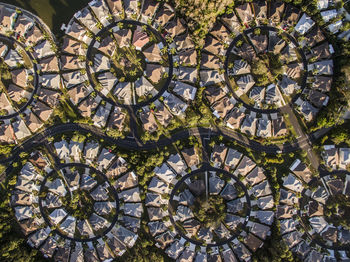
[[134, 144]]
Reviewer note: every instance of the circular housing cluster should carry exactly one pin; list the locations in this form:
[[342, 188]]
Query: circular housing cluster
[[29, 80], [223, 210], [78, 209], [261, 59], [132, 59], [313, 214], [125, 56], [258, 64]]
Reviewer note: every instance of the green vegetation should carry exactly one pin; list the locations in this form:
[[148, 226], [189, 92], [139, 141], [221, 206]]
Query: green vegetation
[[128, 64], [210, 212], [337, 210], [266, 68], [80, 205]]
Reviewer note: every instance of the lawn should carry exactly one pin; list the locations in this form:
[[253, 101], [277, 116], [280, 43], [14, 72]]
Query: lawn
[[53, 12]]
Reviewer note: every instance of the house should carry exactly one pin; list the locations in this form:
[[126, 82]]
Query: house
[[240, 67], [20, 77], [264, 128], [153, 54], [69, 62], [186, 91], [210, 77], [78, 93], [116, 7], [148, 120], [213, 46], [149, 9], [133, 209], [260, 190], [220, 32], [6, 133], [162, 114], [5, 105], [304, 24], [174, 28], [106, 46], [344, 158], [276, 44], [164, 15], [166, 174], [314, 36], [291, 16], [328, 15], [91, 151], [293, 70], [218, 155], [131, 7], [42, 111], [252, 242], [301, 171], [210, 61], [245, 166], [249, 125], [123, 92], [324, 67], [276, 12], [57, 187], [234, 118], [222, 107], [307, 110], [255, 176], [116, 119], [187, 74], [318, 99], [32, 122], [187, 57], [140, 38], [100, 10], [246, 52], [20, 129], [288, 85], [322, 83], [177, 164], [17, 93], [176, 106], [232, 158], [122, 36], [154, 72], [279, 127], [126, 181], [13, 59], [183, 42], [322, 51], [214, 93], [292, 183], [232, 22], [72, 78], [335, 27], [144, 87], [259, 42], [49, 64], [87, 19], [245, 13], [158, 186], [33, 36], [191, 157], [244, 83], [43, 49], [105, 158], [101, 116], [101, 63], [88, 106], [260, 12], [117, 168]]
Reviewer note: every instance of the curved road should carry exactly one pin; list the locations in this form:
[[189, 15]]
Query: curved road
[[130, 143]]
